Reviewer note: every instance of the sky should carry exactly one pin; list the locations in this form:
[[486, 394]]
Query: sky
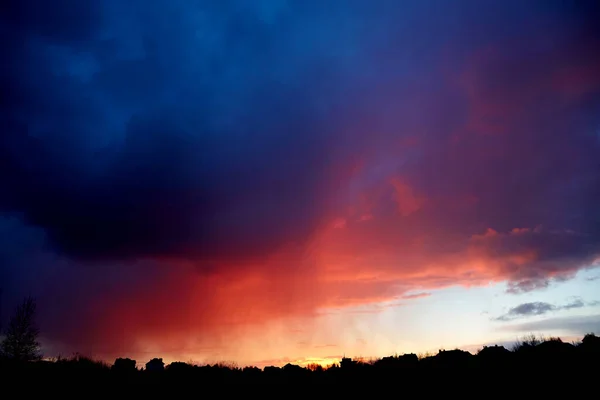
[[263, 182]]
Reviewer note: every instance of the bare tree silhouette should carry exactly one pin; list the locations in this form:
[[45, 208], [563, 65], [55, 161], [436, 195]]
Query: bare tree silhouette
[[20, 341]]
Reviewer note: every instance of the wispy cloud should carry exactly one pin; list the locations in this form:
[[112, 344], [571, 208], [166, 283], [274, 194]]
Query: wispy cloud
[[578, 325], [324, 346], [526, 286], [416, 295], [540, 308]]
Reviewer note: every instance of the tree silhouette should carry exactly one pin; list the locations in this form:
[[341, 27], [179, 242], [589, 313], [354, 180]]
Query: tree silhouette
[[20, 341]]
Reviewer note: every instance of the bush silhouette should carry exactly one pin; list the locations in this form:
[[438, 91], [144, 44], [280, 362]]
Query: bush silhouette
[[156, 365], [489, 366], [124, 365], [590, 343]]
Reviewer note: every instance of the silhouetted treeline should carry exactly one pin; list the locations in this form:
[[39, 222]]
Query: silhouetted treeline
[[551, 361]]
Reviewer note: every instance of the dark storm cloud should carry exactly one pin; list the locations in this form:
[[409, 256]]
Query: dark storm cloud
[[160, 130], [170, 129], [143, 131], [125, 141]]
